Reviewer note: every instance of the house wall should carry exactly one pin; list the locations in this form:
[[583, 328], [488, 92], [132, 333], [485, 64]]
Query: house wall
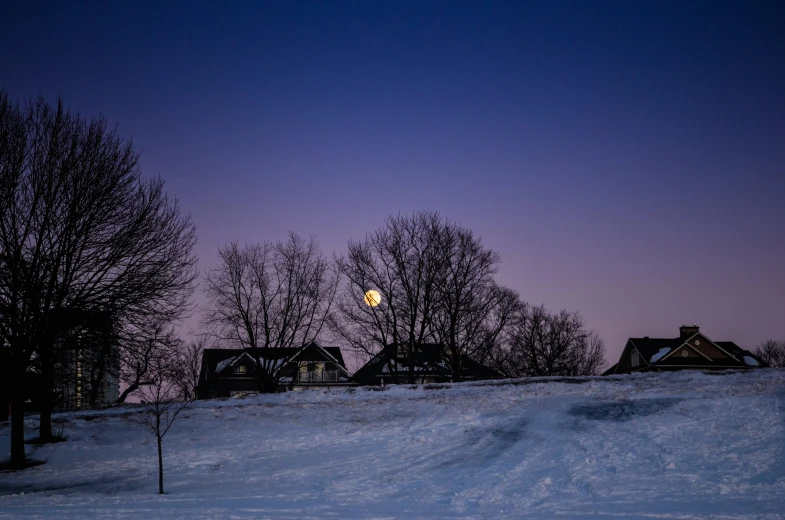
[[706, 348], [680, 353], [316, 372], [223, 387], [625, 361]]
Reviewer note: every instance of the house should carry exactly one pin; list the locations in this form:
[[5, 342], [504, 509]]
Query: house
[[232, 372], [690, 350], [428, 363]]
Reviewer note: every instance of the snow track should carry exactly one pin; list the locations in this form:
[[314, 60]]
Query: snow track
[[677, 446]]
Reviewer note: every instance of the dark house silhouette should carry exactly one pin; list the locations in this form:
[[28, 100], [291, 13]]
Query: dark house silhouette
[[426, 363], [690, 350], [232, 372]]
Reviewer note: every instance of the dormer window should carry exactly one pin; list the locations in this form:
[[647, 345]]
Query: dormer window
[[239, 369], [635, 358]]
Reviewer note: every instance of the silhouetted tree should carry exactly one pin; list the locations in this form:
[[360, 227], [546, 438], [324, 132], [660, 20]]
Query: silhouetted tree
[[472, 309], [269, 296], [403, 263], [188, 360], [150, 345], [80, 231], [162, 404], [772, 352], [542, 343], [436, 282]]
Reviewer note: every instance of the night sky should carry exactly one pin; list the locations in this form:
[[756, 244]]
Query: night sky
[[627, 159]]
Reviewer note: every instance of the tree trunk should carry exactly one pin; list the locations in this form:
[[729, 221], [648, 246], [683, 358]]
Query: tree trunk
[[5, 394], [456, 366], [412, 361], [160, 465], [99, 371], [47, 390], [45, 423], [269, 385], [18, 458]]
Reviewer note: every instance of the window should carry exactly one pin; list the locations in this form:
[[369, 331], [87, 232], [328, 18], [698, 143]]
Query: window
[[635, 358], [239, 369], [684, 353], [697, 342]]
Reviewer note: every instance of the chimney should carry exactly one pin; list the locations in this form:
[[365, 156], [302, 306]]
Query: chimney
[[685, 331]]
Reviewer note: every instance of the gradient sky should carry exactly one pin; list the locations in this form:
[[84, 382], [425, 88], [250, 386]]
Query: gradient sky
[[627, 159]]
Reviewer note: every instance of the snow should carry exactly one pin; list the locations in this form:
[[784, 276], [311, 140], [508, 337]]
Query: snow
[[661, 354], [751, 361], [679, 445], [223, 364]]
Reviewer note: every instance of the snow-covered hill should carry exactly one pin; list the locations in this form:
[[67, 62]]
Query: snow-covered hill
[[679, 445]]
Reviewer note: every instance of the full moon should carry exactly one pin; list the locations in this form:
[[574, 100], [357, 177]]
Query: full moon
[[373, 298]]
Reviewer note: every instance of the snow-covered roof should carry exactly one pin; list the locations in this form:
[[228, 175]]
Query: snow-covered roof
[[751, 361], [659, 355], [225, 363]]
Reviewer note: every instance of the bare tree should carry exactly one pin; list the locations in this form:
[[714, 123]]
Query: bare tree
[[188, 359], [541, 343], [772, 353], [472, 309], [80, 231], [498, 319], [269, 297], [402, 262], [148, 346], [436, 283], [162, 404]]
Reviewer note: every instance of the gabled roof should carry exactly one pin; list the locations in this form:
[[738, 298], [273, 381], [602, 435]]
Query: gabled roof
[[330, 353], [658, 352], [230, 362], [427, 355], [216, 360], [648, 347], [429, 359]]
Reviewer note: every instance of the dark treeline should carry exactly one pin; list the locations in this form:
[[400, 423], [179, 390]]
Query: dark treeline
[[96, 261], [436, 285]]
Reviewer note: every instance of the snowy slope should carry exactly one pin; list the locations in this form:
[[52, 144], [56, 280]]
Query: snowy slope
[[680, 445]]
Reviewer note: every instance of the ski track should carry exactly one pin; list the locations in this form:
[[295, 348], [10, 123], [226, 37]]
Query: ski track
[[664, 446]]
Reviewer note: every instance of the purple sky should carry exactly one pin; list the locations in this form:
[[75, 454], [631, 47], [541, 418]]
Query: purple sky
[[627, 159]]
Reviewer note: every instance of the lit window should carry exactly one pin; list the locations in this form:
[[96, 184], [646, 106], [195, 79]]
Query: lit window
[[239, 369]]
